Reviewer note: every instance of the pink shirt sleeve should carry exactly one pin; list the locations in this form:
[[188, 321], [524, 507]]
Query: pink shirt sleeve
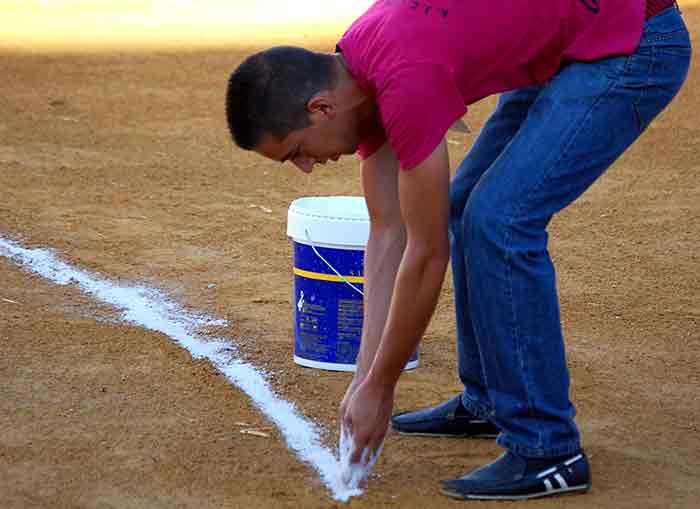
[[417, 105]]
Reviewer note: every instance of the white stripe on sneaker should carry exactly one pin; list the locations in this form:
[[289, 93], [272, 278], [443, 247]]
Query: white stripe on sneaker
[[561, 481], [548, 485], [546, 472], [573, 460], [568, 462]]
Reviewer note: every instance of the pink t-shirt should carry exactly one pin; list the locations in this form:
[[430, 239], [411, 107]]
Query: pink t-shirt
[[424, 61]]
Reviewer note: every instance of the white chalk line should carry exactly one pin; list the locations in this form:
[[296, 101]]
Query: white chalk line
[[151, 309]]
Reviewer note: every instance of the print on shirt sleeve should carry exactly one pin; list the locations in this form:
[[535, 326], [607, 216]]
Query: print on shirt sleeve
[[591, 5]]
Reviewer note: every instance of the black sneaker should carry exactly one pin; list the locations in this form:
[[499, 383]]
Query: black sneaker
[[512, 477], [449, 419]]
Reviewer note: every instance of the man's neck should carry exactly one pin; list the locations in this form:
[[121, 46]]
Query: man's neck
[[357, 100]]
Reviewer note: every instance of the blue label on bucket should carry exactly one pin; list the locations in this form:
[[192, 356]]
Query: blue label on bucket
[[328, 312], [349, 262]]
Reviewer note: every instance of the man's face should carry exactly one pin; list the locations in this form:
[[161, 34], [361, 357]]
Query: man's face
[[327, 138]]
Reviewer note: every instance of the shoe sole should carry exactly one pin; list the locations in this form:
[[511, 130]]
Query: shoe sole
[[571, 490], [440, 435]]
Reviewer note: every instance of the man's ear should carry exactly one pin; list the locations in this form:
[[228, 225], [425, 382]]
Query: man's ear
[[321, 106]]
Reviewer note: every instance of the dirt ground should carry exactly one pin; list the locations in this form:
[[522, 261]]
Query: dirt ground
[[121, 162]]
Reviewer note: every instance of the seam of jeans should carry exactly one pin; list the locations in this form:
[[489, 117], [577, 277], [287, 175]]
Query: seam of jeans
[[467, 273], [514, 330], [514, 335], [475, 326], [507, 240], [644, 90], [482, 373]]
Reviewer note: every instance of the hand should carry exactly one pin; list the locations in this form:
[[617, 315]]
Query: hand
[[349, 393], [367, 415]]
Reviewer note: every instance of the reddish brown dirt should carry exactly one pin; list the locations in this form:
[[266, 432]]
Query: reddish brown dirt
[[122, 163]]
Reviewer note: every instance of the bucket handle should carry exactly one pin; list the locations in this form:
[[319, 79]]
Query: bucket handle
[[308, 237]]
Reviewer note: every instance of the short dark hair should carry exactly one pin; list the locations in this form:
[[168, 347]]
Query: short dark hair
[[269, 91]]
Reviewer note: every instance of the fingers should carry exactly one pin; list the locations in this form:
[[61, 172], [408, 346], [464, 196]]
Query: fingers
[[356, 436], [375, 445], [365, 446], [356, 456], [365, 417]]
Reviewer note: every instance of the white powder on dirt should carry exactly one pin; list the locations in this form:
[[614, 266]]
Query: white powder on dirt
[[150, 309]]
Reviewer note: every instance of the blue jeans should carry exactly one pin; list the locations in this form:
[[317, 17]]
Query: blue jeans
[[542, 147]]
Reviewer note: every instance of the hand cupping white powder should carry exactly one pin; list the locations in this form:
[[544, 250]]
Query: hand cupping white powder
[[354, 474]]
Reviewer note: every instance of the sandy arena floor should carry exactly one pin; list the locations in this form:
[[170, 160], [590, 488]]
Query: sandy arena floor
[[121, 162]]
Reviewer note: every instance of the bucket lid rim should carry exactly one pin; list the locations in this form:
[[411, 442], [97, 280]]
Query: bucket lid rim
[[359, 215]]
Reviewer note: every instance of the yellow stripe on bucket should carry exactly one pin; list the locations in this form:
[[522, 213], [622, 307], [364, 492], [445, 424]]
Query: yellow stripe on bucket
[[328, 277]]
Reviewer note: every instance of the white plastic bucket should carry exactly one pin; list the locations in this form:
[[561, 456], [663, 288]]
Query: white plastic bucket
[[329, 235]]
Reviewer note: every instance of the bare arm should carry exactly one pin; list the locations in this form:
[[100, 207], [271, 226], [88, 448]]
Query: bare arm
[[424, 199], [424, 203], [385, 246]]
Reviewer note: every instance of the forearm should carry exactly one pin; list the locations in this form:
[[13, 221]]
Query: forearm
[[399, 302], [416, 292], [383, 254]]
